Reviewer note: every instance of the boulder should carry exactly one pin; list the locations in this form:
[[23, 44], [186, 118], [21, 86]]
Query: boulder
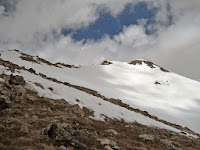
[[20, 94], [108, 147], [88, 112], [4, 102], [107, 142], [21, 90], [5, 89], [146, 137], [31, 97], [105, 62], [112, 132], [85, 132], [77, 110], [35, 117], [58, 132], [24, 129], [170, 144], [17, 80], [31, 70], [64, 134], [62, 147]]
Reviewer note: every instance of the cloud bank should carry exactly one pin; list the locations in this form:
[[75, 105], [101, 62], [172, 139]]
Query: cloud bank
[[36, 27]]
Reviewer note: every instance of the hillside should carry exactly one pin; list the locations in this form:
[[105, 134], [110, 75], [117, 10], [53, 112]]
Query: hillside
[[115, 105]]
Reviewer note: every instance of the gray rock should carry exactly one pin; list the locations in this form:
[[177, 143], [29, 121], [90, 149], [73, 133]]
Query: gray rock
[[127, 126], [85, 132], [31, 97], [24, 129], [4, 102], [59, 132], [146, 137], [107, 142], [21, 91], [14, 111], [31, 70], [108, 147], [77, 110], [87, 120], [170, 144], [6, 92], [20, 94], [94, 135], [112, 132], [35, 117], [6, 78], [18, 80], [62, 147]]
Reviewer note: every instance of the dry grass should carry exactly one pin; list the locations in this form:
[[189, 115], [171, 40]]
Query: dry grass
[[48, 111], [28, 58], [95, 93], [39, 85]]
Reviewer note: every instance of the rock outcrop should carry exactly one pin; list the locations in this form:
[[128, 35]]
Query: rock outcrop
[[28, 121]]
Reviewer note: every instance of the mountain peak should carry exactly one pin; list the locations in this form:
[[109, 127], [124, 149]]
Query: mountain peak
[[148, 63]]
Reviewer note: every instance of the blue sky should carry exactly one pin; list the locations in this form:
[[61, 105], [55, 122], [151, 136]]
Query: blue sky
[[165, 32], [110, 25]]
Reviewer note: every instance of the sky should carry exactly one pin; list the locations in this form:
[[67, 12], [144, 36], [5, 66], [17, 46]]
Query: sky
[[166, 32]]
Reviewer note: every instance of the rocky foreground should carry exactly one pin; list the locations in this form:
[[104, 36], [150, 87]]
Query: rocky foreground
[[28, 121]]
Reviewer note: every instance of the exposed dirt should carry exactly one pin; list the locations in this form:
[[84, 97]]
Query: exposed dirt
[[39, 85], [119, 102], [67, 65], [156, 82], [30, 58], [32, 122], [27, 58], [150, 64], [105, 62]]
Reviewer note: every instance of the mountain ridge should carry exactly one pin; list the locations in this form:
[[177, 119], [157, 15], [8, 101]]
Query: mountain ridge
[[33, 122], [14, 68]]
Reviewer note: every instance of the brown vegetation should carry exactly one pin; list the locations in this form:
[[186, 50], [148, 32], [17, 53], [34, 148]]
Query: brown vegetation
[[32, 122], [39, 85], [27, 58], [156, 82], [67, 65], [105, 62], [150, 64], [95, 93]]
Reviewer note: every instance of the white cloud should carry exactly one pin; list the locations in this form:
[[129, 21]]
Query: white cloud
[[133, 36], [33, 19], [35, 27], [1, 10], [178, 46], [122, 47]]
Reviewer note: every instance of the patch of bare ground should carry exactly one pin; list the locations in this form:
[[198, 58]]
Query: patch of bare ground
[[27, 58], [150, 64], [46, 62], [67, 65], [119, 102], [39, 85], [105, 62], [32, 122], [156, 82], [30, 58]]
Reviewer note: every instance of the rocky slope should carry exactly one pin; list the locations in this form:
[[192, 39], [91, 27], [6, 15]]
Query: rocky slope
[[28, 121], [138, 85], [42, 112]]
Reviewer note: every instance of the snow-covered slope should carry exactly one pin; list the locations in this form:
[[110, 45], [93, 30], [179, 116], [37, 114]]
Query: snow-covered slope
[[166, 95]]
